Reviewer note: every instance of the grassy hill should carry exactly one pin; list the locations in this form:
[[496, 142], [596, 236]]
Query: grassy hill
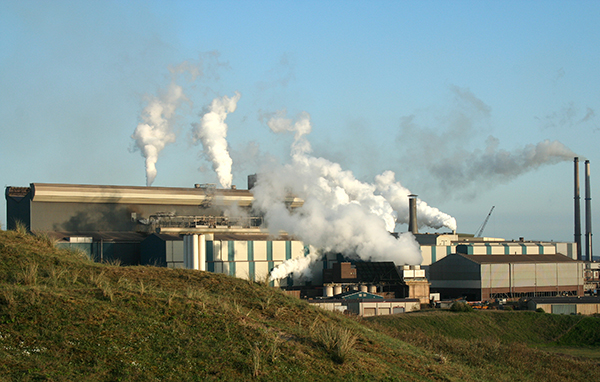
[[63, 317]]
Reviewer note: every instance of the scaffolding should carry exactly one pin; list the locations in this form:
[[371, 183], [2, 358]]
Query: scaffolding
[[168, 220]]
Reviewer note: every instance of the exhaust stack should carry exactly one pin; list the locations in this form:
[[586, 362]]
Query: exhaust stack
[[577, 209], [412, 214], [588, 214]]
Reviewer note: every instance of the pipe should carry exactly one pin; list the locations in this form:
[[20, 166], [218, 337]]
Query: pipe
[[202, 252], [577, 209], [588, 214], [185, 251], [195, 251], [412, 214]]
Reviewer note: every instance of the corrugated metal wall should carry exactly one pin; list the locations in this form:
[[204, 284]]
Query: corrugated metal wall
[[252, 259]]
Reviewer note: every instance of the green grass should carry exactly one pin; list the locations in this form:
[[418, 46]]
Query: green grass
[[63, 317]]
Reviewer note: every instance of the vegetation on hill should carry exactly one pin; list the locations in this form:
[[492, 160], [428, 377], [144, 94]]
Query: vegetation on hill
[[63, 317]]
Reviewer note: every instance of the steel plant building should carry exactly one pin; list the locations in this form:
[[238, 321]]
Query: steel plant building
[[207, 228], [485, 277]]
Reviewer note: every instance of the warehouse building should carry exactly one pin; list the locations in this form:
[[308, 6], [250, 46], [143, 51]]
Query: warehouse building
[[565, 305], [486, 277]]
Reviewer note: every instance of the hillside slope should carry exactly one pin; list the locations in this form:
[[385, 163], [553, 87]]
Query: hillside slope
[[63, 317]]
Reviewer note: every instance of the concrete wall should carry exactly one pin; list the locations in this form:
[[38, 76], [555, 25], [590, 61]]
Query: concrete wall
[[455, 271]]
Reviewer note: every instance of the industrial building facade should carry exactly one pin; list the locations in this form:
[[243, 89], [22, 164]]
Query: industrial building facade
[[435, 247], [174, 227]]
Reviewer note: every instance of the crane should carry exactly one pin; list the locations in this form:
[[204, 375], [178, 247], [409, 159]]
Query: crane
[[480, 230]]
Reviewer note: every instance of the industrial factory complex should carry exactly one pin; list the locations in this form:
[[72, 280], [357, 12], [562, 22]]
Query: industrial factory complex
[[211, 229]]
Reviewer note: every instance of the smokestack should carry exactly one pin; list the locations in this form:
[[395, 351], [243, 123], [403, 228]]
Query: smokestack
[[412, 214], [252, 181], [577, 209], [588, 214]]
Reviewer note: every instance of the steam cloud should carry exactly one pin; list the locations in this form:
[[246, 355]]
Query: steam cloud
[[156, 130], [340, 213], [501, 165], [444, 155], [212, 132], [397, 196]]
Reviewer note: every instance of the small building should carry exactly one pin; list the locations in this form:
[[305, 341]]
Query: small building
[[418, 285], [565, 305], [376, 307], [367, 304], [485, 277]]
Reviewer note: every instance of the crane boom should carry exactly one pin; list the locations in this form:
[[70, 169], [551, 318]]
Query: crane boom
[[480, 230]]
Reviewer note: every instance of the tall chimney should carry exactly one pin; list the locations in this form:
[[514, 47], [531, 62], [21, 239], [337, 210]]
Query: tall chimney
[[412, 214], [588, 214], [577, 210]]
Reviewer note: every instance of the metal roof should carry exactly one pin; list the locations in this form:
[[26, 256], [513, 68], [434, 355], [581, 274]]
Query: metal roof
[[565, 300], [131, 237], [85, 193], [507, 259], [375, 272], [168, 237], [356, 294], [251, 237]]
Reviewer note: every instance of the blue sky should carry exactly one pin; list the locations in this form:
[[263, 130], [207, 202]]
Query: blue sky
[[419, 88]]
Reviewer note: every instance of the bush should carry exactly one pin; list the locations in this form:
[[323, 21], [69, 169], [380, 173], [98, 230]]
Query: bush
[[337, 341], [540, 310], [460, 306]]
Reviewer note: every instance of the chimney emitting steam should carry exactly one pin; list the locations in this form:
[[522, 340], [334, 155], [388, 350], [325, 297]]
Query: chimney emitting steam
[[412, 214]]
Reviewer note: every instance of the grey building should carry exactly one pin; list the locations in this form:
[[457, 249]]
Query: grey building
[[485, 277]]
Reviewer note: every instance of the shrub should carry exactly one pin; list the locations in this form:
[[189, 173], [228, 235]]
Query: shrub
[[460, 306], [540, 310]]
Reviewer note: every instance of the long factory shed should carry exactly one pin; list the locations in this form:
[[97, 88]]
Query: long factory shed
[[485, 277]]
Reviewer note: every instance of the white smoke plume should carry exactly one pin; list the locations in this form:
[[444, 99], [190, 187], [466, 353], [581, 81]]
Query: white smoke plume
[[300, 267], [340, 213], [397, 196], [156, 129], [212, 132]]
